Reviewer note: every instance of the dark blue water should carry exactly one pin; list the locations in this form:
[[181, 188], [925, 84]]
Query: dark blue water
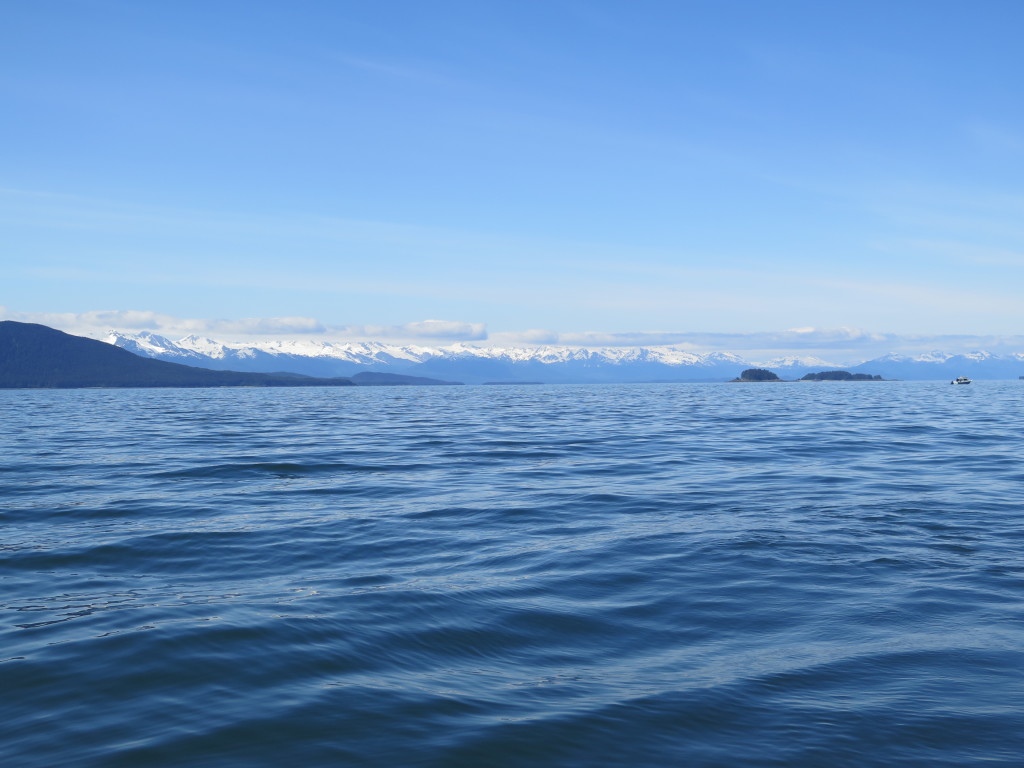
[[807, 574]]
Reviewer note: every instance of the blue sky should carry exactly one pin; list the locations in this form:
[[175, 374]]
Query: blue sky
[[607, 172]]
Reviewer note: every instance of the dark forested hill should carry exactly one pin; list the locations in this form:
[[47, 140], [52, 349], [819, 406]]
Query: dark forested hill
[[841, 376], [34, 355]]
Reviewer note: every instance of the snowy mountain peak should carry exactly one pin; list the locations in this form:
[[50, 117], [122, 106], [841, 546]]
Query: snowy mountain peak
[[466, 362], [144, 343], [797, 361], [202, 346]]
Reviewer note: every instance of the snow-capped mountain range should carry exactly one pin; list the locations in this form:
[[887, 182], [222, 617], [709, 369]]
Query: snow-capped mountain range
[[477, 364]]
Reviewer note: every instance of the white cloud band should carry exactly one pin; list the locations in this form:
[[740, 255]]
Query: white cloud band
[[99, 322], [847, 343]]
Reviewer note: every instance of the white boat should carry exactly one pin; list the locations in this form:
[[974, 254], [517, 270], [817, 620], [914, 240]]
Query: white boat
[[961, 380]]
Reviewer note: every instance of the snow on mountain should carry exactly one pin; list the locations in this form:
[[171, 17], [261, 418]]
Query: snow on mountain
[[795, 361], [936, 356], [149, 344], [357, 352], [460, 359], [471, 363], [203, 346], [977, 356]]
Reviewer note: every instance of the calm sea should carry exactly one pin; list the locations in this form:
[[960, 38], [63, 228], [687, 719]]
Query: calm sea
[[806, 574]]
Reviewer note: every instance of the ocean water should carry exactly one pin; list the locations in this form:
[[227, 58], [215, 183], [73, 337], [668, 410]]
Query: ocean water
[[807, 574]]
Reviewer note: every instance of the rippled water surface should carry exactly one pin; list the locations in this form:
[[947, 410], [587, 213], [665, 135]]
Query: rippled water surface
[[825, 574]]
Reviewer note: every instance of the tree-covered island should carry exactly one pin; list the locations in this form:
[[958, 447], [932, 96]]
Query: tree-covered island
[[757, 374], [840, 376], [763, 374]]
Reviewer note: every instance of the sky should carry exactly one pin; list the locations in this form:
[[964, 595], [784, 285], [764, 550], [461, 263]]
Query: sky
[[835, 177]]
